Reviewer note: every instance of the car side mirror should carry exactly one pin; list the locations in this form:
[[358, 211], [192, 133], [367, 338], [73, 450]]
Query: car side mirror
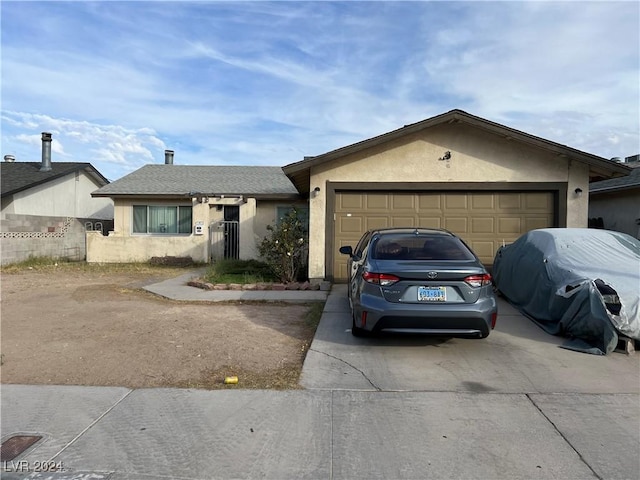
[[347, 250]]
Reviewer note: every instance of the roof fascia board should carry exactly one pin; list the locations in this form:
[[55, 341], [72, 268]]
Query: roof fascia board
[[459, 116]]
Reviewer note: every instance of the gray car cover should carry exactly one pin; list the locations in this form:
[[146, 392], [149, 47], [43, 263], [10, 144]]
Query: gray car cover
[[551, 275]]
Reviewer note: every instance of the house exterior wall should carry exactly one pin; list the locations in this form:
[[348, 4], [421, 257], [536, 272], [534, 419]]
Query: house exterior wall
[[122, 246], [619, 210], [68, 196], [475, 157]]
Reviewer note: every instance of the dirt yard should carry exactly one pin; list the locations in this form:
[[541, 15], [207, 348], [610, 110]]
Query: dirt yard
[[84, 327]]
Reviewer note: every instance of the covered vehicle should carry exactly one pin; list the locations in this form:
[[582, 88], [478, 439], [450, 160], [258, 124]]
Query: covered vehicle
[[576, 282], [418, 280]]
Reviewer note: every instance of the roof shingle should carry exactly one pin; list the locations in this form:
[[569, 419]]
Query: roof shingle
[[174, 180]]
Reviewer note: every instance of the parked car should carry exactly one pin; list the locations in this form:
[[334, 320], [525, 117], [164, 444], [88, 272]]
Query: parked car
[[418, 280], [576, 282]]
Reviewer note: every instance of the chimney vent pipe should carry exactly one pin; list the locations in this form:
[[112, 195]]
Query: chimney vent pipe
[[168, 157], [46, 152], [9, 158]]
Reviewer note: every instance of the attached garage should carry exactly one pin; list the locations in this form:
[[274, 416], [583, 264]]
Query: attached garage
[[486, 182], [484, 219]]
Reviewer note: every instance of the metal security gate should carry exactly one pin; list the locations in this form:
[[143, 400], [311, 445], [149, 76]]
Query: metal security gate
[[225, 240]]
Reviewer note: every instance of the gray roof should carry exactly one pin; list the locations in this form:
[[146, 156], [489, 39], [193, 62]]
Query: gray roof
[[623, 183], [185, 180], [19, 176], [599, 167]]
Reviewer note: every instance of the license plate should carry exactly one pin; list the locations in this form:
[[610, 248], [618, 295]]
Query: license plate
[[432, 294]]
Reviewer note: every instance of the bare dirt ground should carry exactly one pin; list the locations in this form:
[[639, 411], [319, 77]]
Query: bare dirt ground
[[77, 327]]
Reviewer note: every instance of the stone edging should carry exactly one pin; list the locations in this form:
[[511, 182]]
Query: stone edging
[[324, 286]]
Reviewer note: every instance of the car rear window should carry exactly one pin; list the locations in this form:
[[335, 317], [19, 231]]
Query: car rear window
[[420, 247]]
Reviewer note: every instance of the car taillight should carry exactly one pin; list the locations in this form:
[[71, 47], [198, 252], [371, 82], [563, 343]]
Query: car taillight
[[478, 280], [382, 279]]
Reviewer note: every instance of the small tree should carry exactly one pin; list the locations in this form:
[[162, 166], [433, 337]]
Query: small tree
[[284, 248]]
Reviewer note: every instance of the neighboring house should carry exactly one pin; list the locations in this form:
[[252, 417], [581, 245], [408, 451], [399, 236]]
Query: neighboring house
[[486, 182], [615, 203], [202, 212], [43, 203]]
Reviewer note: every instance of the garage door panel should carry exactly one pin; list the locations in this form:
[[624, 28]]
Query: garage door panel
[[403, 202], [376, 222], [509, 225], [483, 219], [427, 202], [482, 202], [350, 201], [483, 248], [483, 225], [459, 226], [377, 201], [350, 224], [509, 201], [456, 201], [430, 222]]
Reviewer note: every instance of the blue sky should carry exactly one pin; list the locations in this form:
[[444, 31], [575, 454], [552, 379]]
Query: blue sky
[[267, 83]]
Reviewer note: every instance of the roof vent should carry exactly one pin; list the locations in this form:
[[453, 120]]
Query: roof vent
[[9, 158], [168, 157], [616, 159], [46, 152]]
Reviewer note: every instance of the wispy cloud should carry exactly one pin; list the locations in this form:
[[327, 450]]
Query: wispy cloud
[[266, 83]]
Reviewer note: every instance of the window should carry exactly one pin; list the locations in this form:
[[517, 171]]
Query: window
[[158, 219], [303, 213]]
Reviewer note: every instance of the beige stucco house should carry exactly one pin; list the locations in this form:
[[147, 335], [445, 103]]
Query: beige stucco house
[[202, 212], [486, 182], [615, 203]]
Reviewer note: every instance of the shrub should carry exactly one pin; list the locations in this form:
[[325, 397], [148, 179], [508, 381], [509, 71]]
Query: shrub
[[285, 247]]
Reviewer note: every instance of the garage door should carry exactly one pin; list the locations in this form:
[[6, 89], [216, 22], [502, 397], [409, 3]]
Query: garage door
[[483, 219]]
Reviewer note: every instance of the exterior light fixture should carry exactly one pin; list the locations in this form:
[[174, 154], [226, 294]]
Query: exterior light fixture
[[578, 192]]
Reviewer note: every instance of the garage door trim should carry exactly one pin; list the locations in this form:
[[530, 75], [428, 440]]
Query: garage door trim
[[559, 189]]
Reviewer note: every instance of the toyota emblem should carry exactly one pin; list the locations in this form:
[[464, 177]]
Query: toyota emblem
[[432, 275]]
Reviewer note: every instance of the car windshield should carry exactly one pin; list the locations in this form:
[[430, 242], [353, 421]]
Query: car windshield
[[411, 246]]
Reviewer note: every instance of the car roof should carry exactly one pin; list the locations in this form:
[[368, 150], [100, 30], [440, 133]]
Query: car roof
[[412, 230]]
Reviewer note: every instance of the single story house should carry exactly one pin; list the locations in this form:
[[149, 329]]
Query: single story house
[[46, 207], [202, 212], [486, 182], [615, 203]]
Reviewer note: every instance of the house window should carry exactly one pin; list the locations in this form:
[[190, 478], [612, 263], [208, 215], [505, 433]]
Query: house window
[[158, 219], [303, 213]]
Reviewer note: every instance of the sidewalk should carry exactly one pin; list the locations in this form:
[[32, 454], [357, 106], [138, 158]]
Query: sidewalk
[[177, 289]]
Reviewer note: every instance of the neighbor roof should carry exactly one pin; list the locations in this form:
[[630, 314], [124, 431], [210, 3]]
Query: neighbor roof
[[19, 176], [614, 184], [299, 172], [186, 180]]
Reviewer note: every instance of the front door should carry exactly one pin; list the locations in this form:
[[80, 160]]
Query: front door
[[231, 231]]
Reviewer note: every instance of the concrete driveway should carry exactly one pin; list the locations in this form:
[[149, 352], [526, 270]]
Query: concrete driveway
[[518, 357]]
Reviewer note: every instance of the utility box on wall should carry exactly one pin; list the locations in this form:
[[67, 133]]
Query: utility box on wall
[[199, 230]]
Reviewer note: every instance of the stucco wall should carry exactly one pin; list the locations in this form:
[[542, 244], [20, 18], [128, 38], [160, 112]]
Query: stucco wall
[[620, 211], [475, 157], [124, 246], [68, 196]]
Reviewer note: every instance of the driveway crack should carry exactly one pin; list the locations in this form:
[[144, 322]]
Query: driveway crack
[[563, 437], [350, 365]]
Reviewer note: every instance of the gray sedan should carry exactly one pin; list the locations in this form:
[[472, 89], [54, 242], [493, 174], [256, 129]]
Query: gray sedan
[[418, 280]]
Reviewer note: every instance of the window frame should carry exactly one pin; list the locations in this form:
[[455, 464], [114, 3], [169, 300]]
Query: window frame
[[178, 221]]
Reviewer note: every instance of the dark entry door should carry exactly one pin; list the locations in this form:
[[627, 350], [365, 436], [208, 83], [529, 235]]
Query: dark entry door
[[231, 228]]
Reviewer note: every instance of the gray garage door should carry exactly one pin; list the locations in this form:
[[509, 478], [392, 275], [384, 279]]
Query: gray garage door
[[483, 219]]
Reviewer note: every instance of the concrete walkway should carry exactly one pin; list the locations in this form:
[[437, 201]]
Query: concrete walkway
[[123, 434]]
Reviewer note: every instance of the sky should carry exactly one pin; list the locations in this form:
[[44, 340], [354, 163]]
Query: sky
[[268, 83]]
